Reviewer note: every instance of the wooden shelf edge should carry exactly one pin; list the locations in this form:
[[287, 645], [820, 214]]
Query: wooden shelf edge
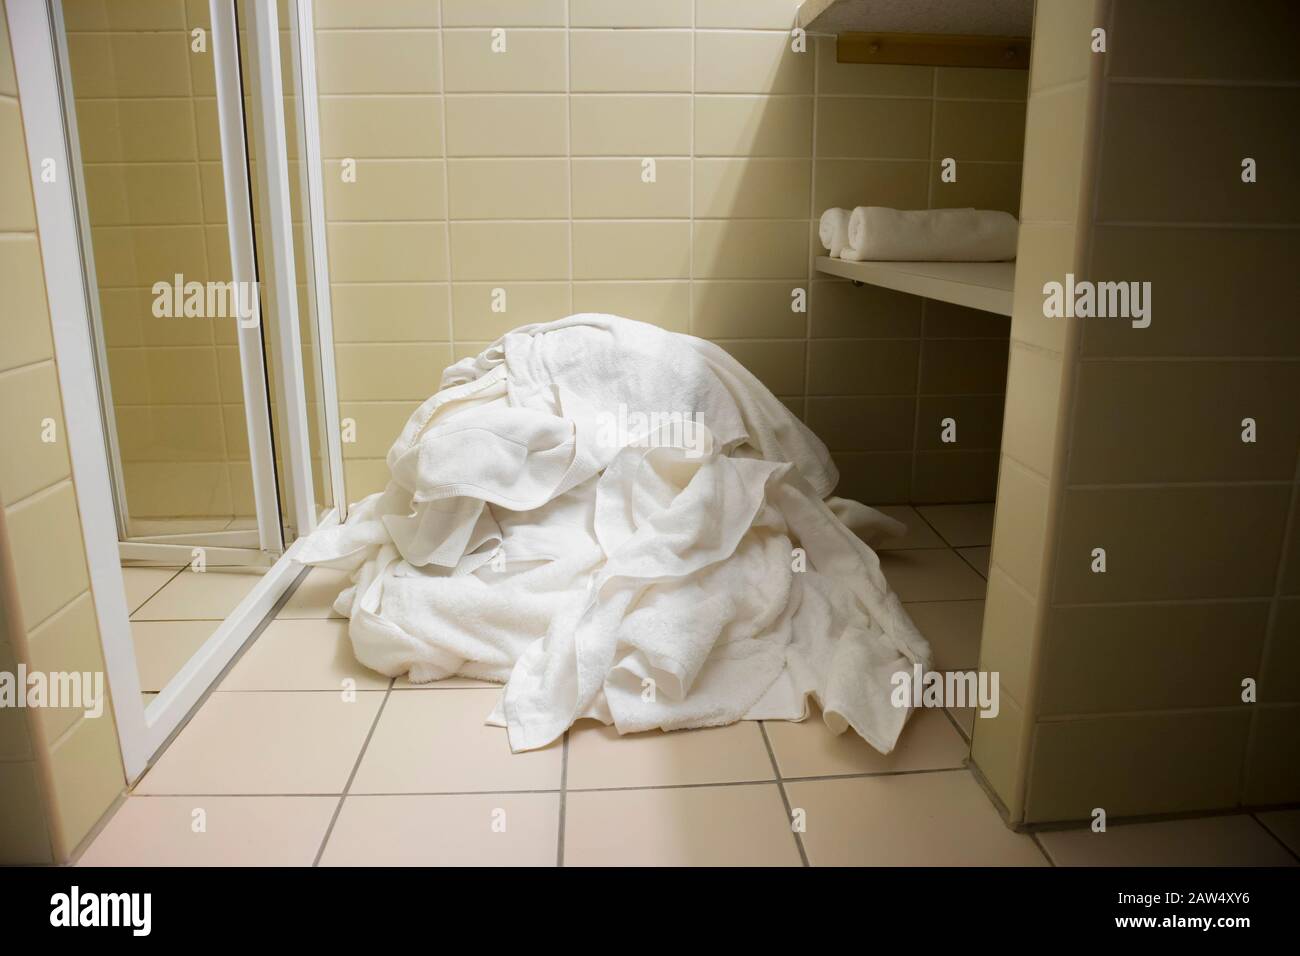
[[986, 286]]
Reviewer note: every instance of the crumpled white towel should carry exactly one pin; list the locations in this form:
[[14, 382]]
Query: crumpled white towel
[[878, 233], [833, 230], [517, 543]]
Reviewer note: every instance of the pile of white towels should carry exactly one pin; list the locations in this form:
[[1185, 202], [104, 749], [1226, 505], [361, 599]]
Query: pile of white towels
[[621, 523], [878, 233]]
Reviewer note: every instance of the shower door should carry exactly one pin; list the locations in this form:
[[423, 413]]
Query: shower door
[[155, 99]]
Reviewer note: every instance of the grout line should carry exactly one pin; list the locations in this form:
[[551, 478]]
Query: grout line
[[785, 798], [329, 830], [1042, 849], [564, 786], [446, 188], [1269, 830]]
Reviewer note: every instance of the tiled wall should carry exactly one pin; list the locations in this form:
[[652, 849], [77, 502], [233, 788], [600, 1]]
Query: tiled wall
[[1126, 686], [522, 171], [147, 121], [59, 770]]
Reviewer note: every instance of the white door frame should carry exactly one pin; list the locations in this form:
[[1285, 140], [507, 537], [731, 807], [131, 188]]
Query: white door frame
[[141, 731]]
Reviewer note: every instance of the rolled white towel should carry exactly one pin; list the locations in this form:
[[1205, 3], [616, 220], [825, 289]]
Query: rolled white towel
[[946, 235], [834, 230]]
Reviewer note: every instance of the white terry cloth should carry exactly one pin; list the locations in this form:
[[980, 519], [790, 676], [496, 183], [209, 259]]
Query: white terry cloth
[[648, 575], [877, 233], [834, 230]]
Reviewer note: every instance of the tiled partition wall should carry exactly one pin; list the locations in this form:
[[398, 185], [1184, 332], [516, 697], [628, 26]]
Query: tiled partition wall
[[147, 121], [1126, 685], [521, 170], [59, 770]]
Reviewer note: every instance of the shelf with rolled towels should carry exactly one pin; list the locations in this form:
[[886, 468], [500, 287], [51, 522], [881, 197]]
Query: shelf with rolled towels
[[963, 256]]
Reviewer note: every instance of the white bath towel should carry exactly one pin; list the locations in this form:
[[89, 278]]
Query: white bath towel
[[542, 532], [944, 235], [834, 230]]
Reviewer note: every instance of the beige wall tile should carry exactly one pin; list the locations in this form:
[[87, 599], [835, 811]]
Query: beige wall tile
[[24, 321], [880, 478], [385, 189], [841, 310], [387, 252], [377, 425], [1280, 673], [24, 838], [1062, 42], [946, 320], [88, 776], [1188, 317], [1009, 635], [1044, 253], [1020, 533], [1204, 44], [1033, 408], [630, 13], [978, 418], [503, 13], [979, 185], [1054, 140], [968, 130], [954, 476], [859, 182], [995, 750], [759, 188], [340, 14], [364, 476], [1214, 645], [381, 127], [1161, 421], [1162, 763], [146, 130], [631, 250], [862, 367], [1272, 768], [750, 63], [382, 372], [758, 249], [129, 64], [8, 80], [30, 398], [752, 14], [753, 126], [609, 125], [665, 304], [1166, 125], [535, 125], [413, 312], [963, 366], [614, 188], [873, 128], [758, 309], [379, 61], [615, 61], [502, 251], [868, 423], [17, 213], [45, 530], [959, 83], [1154, 552], [508, 188], [524, 302], [533, 62], [779, 365]]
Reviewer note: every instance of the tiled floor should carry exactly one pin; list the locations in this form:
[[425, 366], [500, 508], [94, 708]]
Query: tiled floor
[[174, 610], [302, 756]]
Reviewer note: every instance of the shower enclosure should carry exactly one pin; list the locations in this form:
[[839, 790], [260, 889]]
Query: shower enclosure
[[185, 260]]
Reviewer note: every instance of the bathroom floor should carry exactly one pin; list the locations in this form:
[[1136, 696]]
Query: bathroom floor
[[302, 756]]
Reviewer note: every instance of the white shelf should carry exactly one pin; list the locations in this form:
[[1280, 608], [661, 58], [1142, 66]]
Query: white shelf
[[977, 285], [970, 17]]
